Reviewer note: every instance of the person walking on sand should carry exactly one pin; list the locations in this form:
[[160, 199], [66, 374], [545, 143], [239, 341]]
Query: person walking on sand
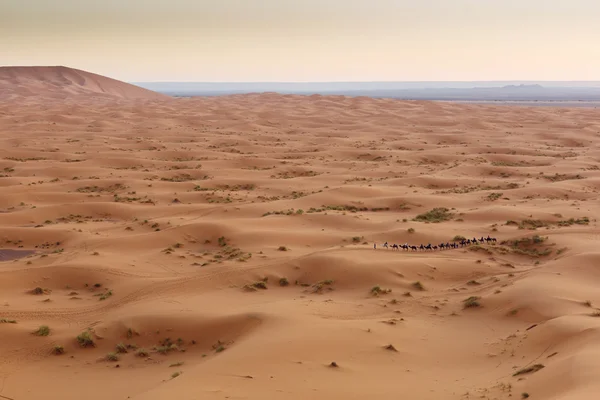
[[375, 246]]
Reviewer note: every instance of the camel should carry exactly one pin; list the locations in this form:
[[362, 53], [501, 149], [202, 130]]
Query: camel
[[441, 246]]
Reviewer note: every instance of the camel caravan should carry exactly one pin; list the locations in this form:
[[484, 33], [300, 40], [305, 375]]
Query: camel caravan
[[441, 246]]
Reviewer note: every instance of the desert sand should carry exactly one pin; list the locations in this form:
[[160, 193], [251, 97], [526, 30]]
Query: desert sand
[[222, 248]]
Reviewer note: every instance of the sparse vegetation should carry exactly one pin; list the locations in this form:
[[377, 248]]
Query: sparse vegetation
[[141, 352], [130, 333], [106, 295], [471, 302], [493, 196], [85, 339], [256, 286], [121, 348], [165, 348], [7, 321], [418, 286], [283, 282], [436, 215], [377, 290], [411, 230], [319, 286], [43, 330], [561, 177], [58, 350], [113, 357], [528, 370], [39, 291], [533, 224], [528, 246], [282, 248], [219, 347]]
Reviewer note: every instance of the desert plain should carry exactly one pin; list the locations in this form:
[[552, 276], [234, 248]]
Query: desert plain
[[223, 247]]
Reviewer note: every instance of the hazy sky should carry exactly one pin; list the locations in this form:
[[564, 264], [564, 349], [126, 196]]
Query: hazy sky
[[307, 40]]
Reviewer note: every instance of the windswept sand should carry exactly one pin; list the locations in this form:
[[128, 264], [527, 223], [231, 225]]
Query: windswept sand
[[149, 219]]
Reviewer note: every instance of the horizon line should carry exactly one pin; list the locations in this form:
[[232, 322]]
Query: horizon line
[[386, 81]]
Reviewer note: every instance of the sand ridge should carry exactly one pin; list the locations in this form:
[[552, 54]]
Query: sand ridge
[[223, 248]]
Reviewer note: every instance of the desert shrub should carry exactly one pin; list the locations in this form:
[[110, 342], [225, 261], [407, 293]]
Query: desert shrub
[[37, 291], [85, 339], [377, 290], [527, 370], [43, 330], [471, 302], [256, 285], [438, 214], [494, 196], [166, 348], [142, 352]]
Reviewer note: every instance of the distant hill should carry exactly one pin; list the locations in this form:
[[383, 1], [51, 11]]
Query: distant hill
[[450, 91], [62, 82]]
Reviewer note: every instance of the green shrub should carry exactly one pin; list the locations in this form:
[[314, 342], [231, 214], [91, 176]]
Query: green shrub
[[438, 214], [85, 339], [43, 330]]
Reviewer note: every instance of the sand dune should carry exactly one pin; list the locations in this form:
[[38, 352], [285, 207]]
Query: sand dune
[[64, 83], [223, 247]]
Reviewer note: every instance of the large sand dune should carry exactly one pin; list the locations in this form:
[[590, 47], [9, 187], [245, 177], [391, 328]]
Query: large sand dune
[[65, 83], [154, 227]]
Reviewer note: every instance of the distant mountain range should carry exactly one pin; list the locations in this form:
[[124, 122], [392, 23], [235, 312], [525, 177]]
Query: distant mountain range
[[451, 91]]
